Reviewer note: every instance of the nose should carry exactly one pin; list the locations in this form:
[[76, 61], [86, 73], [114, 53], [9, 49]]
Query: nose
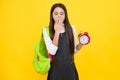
[[59, 16]]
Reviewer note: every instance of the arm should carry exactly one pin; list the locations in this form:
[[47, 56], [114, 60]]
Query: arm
[[57, 28], [56, 38], [77, 46], [49, 43], [52, 46]]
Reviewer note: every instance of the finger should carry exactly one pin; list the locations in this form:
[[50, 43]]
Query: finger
[[57, 21], [60, 21]]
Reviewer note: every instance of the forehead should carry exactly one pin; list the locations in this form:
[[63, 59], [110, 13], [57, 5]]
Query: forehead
[[58, 9]]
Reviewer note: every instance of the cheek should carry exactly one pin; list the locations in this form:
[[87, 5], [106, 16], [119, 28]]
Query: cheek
[[63, 18], [54, 18]]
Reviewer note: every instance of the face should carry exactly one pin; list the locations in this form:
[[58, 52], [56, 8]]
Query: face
[[58, 14]]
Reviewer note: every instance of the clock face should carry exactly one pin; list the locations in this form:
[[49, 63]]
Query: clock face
[[84, 39]]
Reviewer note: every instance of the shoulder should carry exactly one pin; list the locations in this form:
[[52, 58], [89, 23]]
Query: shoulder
[[45, 29], [73, 28]]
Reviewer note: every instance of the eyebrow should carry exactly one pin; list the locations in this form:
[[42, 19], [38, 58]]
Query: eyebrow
[[60, 12]]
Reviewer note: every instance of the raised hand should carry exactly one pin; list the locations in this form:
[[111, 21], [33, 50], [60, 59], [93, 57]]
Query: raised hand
[[58, 25]]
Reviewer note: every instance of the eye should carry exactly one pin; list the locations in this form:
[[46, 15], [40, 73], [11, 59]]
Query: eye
[[62, 13], [55, 13]]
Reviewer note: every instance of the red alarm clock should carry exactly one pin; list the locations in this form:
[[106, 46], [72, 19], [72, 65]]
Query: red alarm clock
[[84, 38]]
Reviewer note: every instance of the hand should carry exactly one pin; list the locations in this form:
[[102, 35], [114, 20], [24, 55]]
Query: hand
[[58, 25], [79, 46], [38, 57]]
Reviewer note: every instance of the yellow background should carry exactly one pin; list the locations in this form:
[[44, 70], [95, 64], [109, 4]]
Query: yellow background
[[21, 22]]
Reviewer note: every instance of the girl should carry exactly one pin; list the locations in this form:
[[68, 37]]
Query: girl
[[61, 44]]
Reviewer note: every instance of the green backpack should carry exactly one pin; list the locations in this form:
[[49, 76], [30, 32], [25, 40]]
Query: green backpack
[[42, 65]]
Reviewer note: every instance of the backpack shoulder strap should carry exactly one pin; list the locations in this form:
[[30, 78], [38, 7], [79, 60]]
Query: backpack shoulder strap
[[47, 30]]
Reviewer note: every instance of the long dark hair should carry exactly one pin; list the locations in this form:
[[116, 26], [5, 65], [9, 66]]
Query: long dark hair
[[68, 28]]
